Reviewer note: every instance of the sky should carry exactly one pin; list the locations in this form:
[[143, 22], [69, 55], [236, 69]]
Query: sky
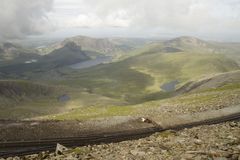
[[207, 19]]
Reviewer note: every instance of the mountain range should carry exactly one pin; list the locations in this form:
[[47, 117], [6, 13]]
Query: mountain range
[[140, 70]]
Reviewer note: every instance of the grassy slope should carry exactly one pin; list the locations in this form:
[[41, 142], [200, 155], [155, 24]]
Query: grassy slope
[[24, 99], [224, 96], [17, 99], [135, 80], [136, 77]]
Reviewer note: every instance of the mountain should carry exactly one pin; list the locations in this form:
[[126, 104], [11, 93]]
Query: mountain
[[115, 47], [144, 75], [150, 73], [155, 71], [195, 45], [70, 53], [186, 41], [100, 45], [11, 52]]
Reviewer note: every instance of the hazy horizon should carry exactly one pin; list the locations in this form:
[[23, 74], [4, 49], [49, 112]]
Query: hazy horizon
[[210, 20]]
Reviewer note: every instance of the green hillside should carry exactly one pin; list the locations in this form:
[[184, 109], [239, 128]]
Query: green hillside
[[152, 72], [138, 76], [228, 94], [24, 99]]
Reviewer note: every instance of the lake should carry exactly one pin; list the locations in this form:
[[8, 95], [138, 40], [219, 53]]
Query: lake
[[92, 62]]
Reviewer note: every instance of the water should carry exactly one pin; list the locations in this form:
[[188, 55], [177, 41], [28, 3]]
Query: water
[[92, 62], [170, 86]]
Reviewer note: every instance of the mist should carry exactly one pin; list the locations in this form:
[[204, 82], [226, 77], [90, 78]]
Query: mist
[[20, 18], [214, 20]]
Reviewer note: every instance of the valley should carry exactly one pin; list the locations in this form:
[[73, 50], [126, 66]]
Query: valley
[[95, 79], [119, 80], [105, 85]]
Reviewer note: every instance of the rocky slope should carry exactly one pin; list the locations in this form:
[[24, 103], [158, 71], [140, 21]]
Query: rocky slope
[[211, 82], [100, 45], [214, 142]]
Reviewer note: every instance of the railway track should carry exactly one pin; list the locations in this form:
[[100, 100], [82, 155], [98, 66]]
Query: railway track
[[20, 148]]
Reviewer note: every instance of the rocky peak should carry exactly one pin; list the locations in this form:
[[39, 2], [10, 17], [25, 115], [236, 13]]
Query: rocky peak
[[186, 40], [72, 46]]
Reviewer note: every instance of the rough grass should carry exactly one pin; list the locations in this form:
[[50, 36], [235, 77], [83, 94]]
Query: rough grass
[[191, 102], [230, 86], [133, 80], [141, 76], [94, 112], [24, 99]]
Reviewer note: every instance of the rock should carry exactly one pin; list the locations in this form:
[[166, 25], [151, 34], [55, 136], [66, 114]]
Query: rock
[[188, 156], [219, 141], [43, 155], [136, 152], [60, 149], [34, 123], [238, 147], [235, 157], [33, 156], [197, 141], [233, 124], [220, 158]]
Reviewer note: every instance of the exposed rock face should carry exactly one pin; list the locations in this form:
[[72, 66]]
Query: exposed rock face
[[93, 44]]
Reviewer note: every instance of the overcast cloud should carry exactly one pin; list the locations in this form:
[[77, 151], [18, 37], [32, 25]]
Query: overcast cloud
[[19, 18], [213, 19]]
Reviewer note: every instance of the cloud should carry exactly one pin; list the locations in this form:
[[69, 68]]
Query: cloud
[[206, 17], [19, 18]]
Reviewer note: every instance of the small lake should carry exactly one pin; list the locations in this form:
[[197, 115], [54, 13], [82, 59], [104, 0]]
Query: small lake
[[92, 62], [169, 86]]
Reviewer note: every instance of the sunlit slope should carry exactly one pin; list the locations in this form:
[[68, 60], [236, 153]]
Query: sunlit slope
[[229, 80], [214, 94], [182, 66], [144, 74]]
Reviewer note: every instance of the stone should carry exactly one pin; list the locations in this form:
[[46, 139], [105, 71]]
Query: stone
[[60, 149], [197, 141], [43, 155], [235, 156], [136, 152], [188, 156], [220, 158]]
